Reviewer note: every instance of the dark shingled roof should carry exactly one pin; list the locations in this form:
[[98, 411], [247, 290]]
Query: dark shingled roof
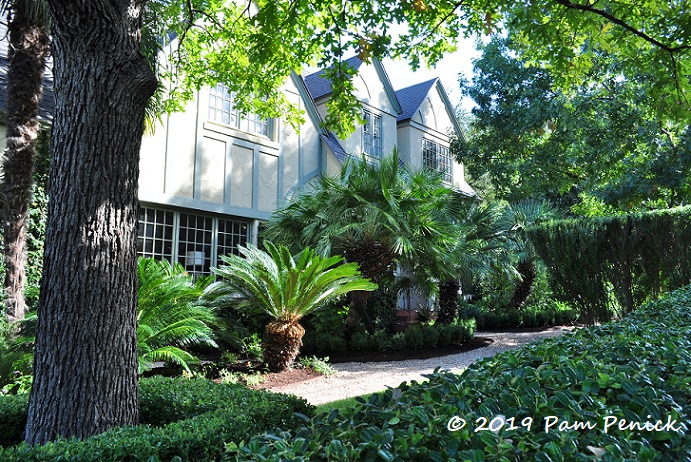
[[333, 144], [412, 97], [47, 106], [319, 86]]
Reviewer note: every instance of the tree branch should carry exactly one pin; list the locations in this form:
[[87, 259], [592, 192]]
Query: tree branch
[[436, 27], [590, 8]]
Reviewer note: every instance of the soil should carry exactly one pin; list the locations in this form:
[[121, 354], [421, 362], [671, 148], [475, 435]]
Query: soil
[[296, 375], [287, 377]]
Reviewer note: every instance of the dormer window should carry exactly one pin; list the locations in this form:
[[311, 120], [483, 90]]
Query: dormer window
[[222, 110], [437, 157], [371, 135]]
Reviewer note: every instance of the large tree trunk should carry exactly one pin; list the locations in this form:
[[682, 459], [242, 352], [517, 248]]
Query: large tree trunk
[[85, 364], [28, 48]]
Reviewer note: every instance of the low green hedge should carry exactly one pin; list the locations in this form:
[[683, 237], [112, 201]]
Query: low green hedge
[[190, 419], [539, 314], [637, 370], [416, 337]]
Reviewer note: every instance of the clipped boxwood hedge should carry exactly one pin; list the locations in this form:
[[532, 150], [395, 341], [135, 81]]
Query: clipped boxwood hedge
[[416, 337], [543, 313], [637, 370], [189, 419]]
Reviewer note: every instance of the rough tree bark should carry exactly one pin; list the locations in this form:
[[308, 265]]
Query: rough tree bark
[[85, 365], [28, 49]]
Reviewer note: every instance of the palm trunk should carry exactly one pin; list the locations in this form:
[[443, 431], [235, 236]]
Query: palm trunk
[[374, 261], [448, 301], [85, 364], [283, 343], [525, 287], [28, 49]]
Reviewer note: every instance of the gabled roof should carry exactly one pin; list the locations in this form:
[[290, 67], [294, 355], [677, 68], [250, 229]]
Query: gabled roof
[[319, 86], [411, 98], [47, 105]]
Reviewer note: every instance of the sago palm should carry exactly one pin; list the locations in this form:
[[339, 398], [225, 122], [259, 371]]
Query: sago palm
[[287, 288], [171, 314]]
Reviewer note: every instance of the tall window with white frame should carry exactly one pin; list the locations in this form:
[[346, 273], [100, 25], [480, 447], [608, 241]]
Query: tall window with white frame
[[437, 157], [194, 240], [371, 135], [222, 110]]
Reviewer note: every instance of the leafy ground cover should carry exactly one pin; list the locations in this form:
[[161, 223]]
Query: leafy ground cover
[[617, 392]]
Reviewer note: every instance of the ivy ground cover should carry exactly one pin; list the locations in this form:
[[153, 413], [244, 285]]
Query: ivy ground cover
[[617, 392]]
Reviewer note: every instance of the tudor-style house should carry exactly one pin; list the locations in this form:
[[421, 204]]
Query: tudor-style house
[[209, 175]]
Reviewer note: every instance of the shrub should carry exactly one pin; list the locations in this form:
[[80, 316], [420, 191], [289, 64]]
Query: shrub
[[165, 400], [632, 257], [431, 335], [323, 342], [414, 337], [543, 313], [13, 411], [360, 341], [398, 341], [635, 370], [380, 340], [381, 307], [445, 333]]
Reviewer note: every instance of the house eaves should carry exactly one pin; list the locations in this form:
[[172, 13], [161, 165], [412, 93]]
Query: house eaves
[[329, 139]]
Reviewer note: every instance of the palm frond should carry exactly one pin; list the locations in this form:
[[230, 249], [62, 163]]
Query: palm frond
[[286, 286], [172, 314]]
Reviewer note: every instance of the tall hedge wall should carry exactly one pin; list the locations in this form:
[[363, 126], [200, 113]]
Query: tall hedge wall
[[619, 261]]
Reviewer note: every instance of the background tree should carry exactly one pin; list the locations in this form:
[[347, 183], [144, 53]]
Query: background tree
[[28, 50], [598, 142], [86, 358]]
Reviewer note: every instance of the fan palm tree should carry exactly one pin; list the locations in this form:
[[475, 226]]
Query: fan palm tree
[[481, 251], [377, 215], [287, 288], [524, 214], [27, 53], [171, 314]]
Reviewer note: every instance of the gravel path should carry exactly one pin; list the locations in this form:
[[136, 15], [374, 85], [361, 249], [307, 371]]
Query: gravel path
[[354, 379]]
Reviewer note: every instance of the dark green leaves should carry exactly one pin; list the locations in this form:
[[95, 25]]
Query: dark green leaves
[[577, 379]]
